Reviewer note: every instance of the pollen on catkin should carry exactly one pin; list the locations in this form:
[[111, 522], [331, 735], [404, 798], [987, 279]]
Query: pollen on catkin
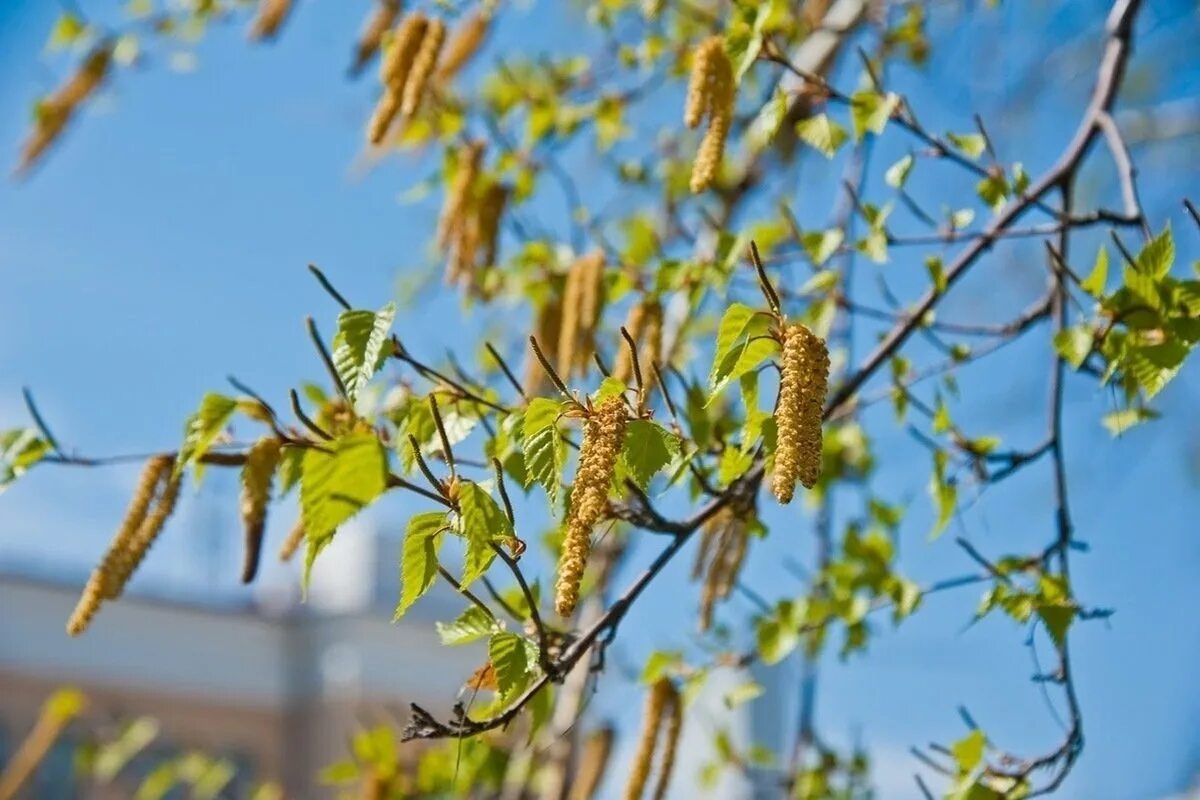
[[270, 18], [463, 45], [547, 331], [592, 763], [644, 325], [292, 543], [723, 549], [660, 701], [378, 23], [804, 371], [257, 475], [458, 196], [491, 209], [423, 66], [670, 745], [139, 505], [400, 53], [382, 117], [583, 298], [149, 530], [711, 94], [603, 436]]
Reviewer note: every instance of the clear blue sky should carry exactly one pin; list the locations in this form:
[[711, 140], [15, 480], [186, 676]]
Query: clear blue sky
[[163, 246]]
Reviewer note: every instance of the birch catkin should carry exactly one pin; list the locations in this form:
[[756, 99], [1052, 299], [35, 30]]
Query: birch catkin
[[56, 715], [644, 324], [270, 18], [382, 117], [292, 543], [458, 197], [401, 52], [674, 723], [371, 37], [603, 436], [423, 65], [463, 45], [56, 111], [257, 475], [662, 705], [711, 94], [592, 763], [583, 298], [722, 551], [804, 375]]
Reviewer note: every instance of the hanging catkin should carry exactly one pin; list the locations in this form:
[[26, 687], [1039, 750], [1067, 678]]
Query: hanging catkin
[[583, 297], [423, 65], [383, 17], [463, 44], [725, 536], [548, 329], [592, 763], [644, 324], [55, 716], [133, 538], [53, 114], [257, 476], [711, 94], [491, 209], [603, 436], [270, 18], [670, 745], [458, 196], [804, 374], [399, 55], [662, 706], [292, 543], [382, 117]]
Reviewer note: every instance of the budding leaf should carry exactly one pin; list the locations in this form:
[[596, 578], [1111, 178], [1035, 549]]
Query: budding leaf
[[870, 111], [647, 449], [510, 659], [202, 429], [360, 346], [1117, 422], [542, 447], [1157, 257], [419, 561], [822, 133], [20, 449], [1095, 282], [473, 624], [483, 524], [972, 144], [897, 174], [1074, 344], [968, 751]]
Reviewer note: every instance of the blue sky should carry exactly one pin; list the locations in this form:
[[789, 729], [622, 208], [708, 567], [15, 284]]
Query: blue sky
[[163, 246]]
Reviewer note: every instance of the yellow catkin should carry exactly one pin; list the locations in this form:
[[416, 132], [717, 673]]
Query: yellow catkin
[[491, 209], [374, 785], [257, 475], [55, 716], [270, 18], [634, 324], [547, 330], [292, 543], [645, 327], [382, 117], [56, 111], [659, 700], [152, 474], [399, 55], [87, 79], [592, 764], [804, 374], [458, 196], [568, 338], [591, 301], [670, 745], [463, 45], [380, 21], [423, 66], [603, 434], [148, 532], [714, 97]]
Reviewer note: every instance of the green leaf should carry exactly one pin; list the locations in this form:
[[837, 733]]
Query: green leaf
[[1095, 282], [339, 772], [647, 449], [542, 447], [732, 329], [338, 480], [744, 357], [660, 664], [767, 122], [822, 134], [937, 273], [968, 751], [612, 387], [941, 417], [1157, 257], [972, 144], [820, 245], [20, 449], [870, 111], [897, 174], [419, 560], [1057, 618], [472, 625], [510, 659], [993, 190], [202, 429], [1118, 422], [1153, 367], [291, 464], [778, 633], [944, 494], [483, 524], [742, 694], [67, 30], [1074, 344], [360, 346]]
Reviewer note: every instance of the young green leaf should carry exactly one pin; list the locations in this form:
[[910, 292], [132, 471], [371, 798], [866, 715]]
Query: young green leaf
[[822, 134], [360, 346], [510, 659], [419, 560], [202, 429], [482, 523], [647, 449], [471, 625], [338, 480], [542, 446]]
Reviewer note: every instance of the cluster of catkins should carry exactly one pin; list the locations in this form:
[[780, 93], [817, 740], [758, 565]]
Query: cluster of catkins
[[603, 435], [723, 543], [410, 61], [269, 19], [153, 501], [710, 94], [663, 714], [645, 327], [804, 374], [54, 112], [469, 225], [566, 321]]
